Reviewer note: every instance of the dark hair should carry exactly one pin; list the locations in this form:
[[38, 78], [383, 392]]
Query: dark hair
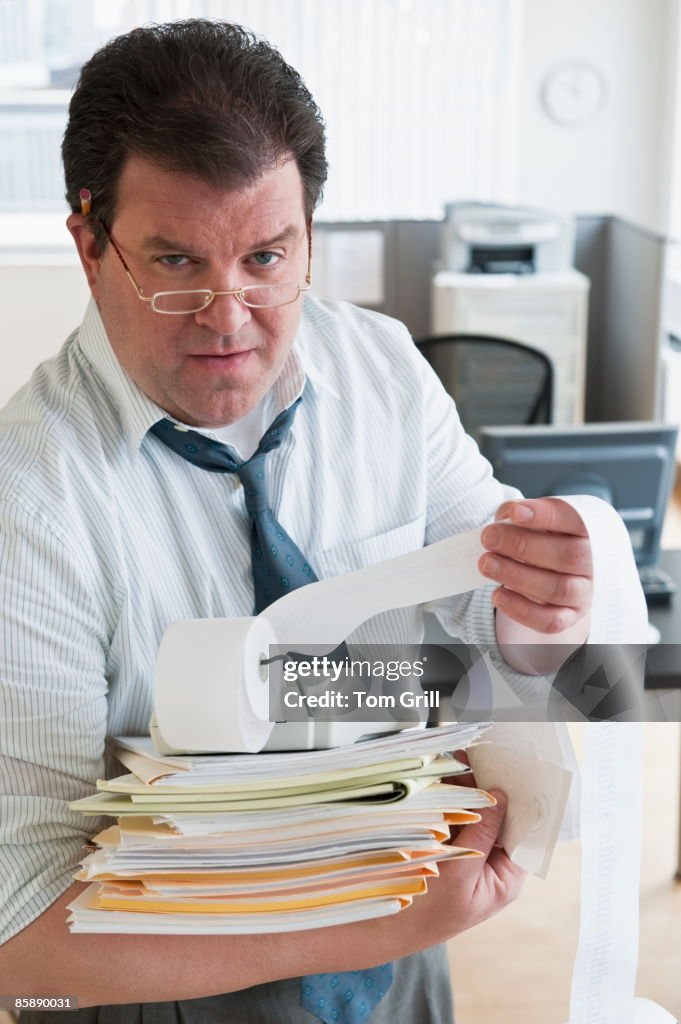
[[205, 98]]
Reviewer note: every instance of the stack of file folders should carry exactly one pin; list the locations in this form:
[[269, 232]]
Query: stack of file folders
[[236, 844]]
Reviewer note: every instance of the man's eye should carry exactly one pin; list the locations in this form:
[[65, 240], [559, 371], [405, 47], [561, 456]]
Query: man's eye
[[174, 260], [266, 259]]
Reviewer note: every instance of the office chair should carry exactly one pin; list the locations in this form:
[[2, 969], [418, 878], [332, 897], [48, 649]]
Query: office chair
[[494, 381]]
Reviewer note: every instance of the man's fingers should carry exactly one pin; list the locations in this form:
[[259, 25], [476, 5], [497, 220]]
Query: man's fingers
[[503, 874], [540, 553], [542, 514], [544, 618], [496, 879], [484, 833], [548, 587], [481, 886], [561, 553]]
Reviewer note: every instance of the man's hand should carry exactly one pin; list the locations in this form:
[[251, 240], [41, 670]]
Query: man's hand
[[466, 892], [539, 551], [484, 886]]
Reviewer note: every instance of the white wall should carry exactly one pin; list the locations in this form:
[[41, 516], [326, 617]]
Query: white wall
[[43, 300], [619, 162]]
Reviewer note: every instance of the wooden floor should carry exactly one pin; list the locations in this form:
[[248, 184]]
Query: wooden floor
[[516, 968]]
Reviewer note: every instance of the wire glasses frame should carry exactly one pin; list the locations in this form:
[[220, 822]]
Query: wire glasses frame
[[270, 295]]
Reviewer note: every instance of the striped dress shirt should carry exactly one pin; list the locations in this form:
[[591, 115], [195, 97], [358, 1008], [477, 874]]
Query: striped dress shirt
[[106, 537]]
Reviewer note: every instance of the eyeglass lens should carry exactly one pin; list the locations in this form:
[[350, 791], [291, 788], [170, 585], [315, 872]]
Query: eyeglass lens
[[256, 297]]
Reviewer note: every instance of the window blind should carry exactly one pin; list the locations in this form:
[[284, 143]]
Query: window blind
[[419, 96]]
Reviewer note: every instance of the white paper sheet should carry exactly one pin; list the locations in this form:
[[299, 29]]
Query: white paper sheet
[[604, 973], [607, 954], [537, 792], [551, 742], [237, 768], [329, 611], [352, 266], [647, 1012]]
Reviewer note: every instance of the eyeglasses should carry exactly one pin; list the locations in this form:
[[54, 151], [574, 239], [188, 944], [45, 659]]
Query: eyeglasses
[[255, 296]]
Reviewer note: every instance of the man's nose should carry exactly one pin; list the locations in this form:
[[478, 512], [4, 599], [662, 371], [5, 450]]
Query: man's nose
[[225, 315]]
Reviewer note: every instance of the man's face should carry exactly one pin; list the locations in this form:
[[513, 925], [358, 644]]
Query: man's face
[[176, 232]]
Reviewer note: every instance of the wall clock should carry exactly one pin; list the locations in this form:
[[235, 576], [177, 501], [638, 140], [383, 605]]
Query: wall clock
[[573, 93]]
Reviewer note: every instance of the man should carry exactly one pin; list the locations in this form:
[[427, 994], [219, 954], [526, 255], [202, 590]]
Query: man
[[203, 154]]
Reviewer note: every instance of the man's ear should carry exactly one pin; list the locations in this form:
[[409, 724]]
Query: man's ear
[[87, 248]]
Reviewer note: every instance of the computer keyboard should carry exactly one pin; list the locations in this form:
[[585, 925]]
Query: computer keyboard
[[658, 586]]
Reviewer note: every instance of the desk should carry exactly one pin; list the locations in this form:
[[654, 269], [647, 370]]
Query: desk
[[663, 662]]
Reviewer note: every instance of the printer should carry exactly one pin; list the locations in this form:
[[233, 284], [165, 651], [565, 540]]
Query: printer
[[507, 272], [490, 238]]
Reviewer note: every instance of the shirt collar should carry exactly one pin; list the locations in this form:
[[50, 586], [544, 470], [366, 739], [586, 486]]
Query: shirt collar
[[138, 412], [308, 350]]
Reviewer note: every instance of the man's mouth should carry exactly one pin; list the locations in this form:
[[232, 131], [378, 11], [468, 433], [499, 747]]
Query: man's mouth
[[223, 360], [222, 354]]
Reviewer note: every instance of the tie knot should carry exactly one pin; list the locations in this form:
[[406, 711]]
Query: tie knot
[[254, 479]]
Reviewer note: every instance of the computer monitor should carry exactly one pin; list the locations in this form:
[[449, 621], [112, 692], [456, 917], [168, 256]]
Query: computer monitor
[[630, 465]]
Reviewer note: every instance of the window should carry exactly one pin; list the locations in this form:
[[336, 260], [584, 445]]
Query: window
[[419, 96]]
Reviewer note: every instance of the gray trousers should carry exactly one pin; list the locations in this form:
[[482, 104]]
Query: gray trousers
[[420, 994]]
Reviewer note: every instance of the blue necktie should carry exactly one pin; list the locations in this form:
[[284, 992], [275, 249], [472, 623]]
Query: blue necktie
[[279, 567], [278, 564], [346, 998]]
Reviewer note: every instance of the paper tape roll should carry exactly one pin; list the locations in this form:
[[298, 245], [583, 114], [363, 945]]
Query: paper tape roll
[[214, 694], [210, 695]]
